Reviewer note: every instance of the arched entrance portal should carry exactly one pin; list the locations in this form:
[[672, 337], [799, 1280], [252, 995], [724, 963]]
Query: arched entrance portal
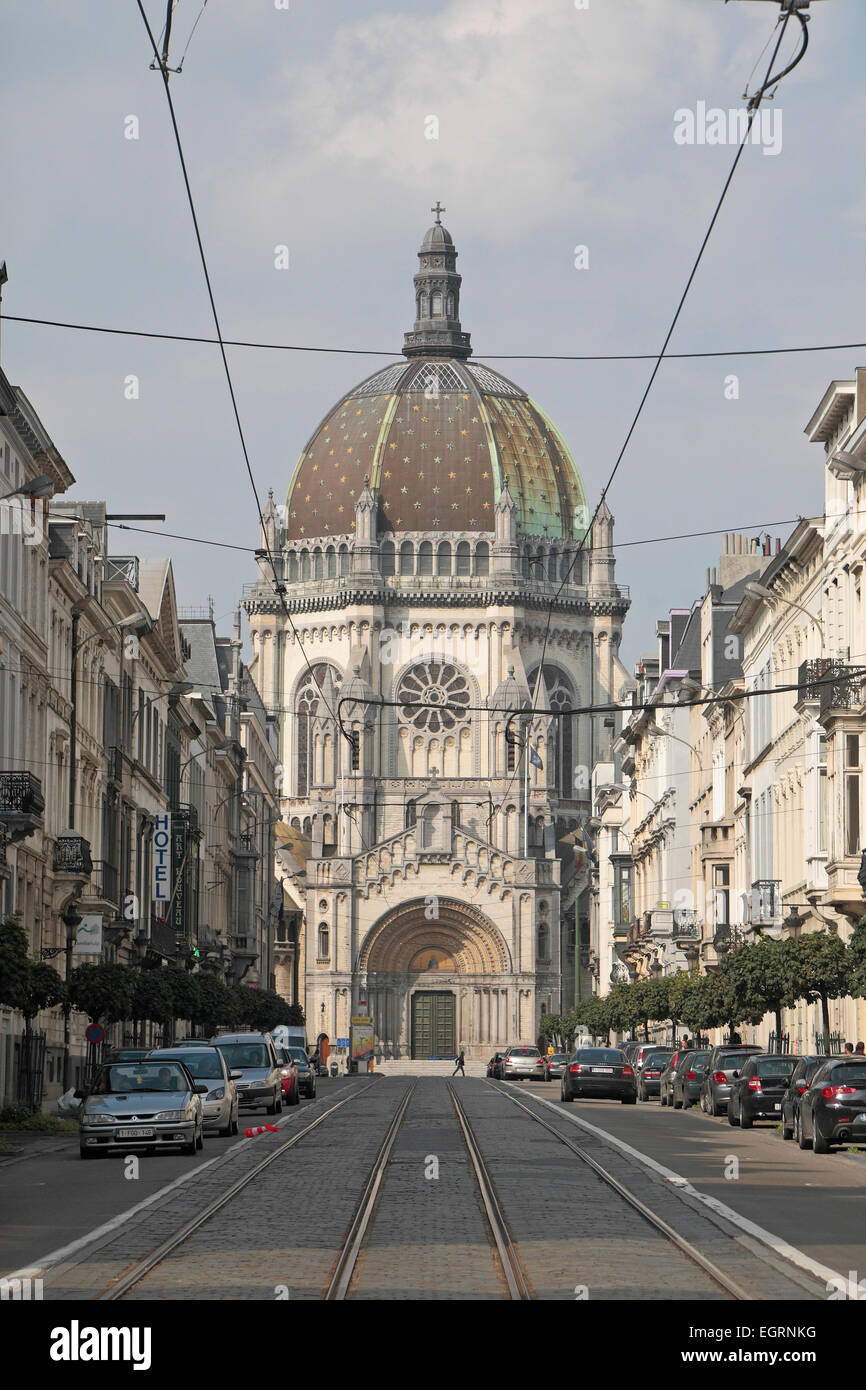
[[438, 976]]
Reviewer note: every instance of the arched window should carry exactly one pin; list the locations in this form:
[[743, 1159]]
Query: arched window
[[331, 562], [305, 564], [411, 815], [455, 814], [543, 941], [524, 563], [436, 311], [407, 558], [510, 750], [450, 306], [564, 566], [324, 941], [317, 563], [308, 705], [293, 567], [344, 559], [551, 566], [329, 835], [464, 558], [561, 696], [443, 558], [482, 558], [425, 558], [387, 557]]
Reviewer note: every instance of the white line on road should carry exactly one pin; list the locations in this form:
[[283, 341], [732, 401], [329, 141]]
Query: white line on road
[[776, 1243], [56, 1257]]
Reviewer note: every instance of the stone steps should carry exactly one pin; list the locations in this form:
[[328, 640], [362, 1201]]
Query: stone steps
[[407, 1067]]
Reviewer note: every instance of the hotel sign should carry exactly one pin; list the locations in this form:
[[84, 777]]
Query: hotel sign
[[162, 859]]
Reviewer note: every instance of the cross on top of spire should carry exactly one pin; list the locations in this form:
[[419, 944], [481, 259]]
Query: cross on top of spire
[[438, 211]]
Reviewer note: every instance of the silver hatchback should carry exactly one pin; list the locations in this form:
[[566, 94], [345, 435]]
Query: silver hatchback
[[208, 1066], [140, 1105]]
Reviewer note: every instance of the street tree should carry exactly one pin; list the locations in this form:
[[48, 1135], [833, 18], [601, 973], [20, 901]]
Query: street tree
[[760, 981], [821, 969], [103, 992]]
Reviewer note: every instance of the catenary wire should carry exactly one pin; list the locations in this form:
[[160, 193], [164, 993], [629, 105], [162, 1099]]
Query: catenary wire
[[754, 107], [396, 352]]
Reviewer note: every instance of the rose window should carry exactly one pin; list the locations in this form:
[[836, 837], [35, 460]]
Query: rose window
[[436, 695]]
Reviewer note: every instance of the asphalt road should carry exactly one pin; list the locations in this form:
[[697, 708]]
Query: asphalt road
[[814, 1202], [49, 1197]]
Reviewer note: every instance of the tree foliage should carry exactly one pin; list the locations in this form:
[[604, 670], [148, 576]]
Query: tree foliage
[[820, 968]]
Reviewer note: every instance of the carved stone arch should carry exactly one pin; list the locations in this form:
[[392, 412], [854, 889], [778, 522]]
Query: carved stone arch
[[397, 941]]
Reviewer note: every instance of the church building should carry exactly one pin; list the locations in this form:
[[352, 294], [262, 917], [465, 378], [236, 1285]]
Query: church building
[[437, 615]]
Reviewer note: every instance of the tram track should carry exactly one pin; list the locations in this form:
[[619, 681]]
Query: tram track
[[691, 1252], [140, 1271]]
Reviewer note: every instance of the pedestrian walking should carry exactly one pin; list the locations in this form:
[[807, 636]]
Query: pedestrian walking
[[460, 1060]]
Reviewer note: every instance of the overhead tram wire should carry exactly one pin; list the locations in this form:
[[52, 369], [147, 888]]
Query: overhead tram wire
[[279, 585], [753, 107], [395, 352]]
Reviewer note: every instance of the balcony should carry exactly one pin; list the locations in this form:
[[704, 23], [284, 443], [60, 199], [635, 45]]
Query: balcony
[[184, 811], [72, 856], [825, 686], [21, 804], [115, 764], [685, 924]]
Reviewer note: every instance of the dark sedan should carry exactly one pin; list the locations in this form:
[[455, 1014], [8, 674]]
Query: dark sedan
[[833, 1110], [494, 1066], [723, 1065], [599, 1073], [756, 1094], [687, 1078], [556, 1064], [800, 1078], [649, 1075]]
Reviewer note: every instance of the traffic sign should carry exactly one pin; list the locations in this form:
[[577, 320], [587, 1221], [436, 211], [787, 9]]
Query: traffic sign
[[94, 1033]]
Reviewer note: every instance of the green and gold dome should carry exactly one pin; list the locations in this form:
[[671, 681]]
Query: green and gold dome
[[437, 435]]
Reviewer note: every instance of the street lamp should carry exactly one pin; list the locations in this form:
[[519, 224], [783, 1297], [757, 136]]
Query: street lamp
[[760, 591], [179, 688], [42, 486]]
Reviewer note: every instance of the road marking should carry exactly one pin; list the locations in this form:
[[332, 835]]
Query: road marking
[[58, 1256], [776, 1243]]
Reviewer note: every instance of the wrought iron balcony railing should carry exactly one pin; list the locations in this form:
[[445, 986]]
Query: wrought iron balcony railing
[[72, 855], [20, 794], [685, 923]]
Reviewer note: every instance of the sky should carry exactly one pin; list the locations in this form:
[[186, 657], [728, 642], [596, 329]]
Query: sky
[[308, 127]]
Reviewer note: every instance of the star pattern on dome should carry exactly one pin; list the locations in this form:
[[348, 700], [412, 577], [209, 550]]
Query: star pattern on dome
[[427, 473]]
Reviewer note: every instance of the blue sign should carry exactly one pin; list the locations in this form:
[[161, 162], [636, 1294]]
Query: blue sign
[[342, 1042], [94, 1033]]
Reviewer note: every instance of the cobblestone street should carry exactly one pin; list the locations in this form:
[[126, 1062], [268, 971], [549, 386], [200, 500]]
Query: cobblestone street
[[429, 1234]]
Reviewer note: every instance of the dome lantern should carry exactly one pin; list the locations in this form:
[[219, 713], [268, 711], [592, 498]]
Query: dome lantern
[[437, 331]]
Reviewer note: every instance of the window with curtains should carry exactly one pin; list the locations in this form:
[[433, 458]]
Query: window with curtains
[[852, 793]]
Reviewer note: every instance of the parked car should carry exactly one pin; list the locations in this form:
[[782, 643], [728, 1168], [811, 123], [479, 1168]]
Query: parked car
[[523, 1062], [833, 1110], [304, 1072], [602, 1073], [649, 1075], [722, 1063], [687, 1078], [557, 1064], [127, 1054], [494, 1066], [642, 1051], [255, 1056], [799, 1082], [666, 1080], [628, 1049], [207, 1064], [149, 1104], [756, 1093]]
